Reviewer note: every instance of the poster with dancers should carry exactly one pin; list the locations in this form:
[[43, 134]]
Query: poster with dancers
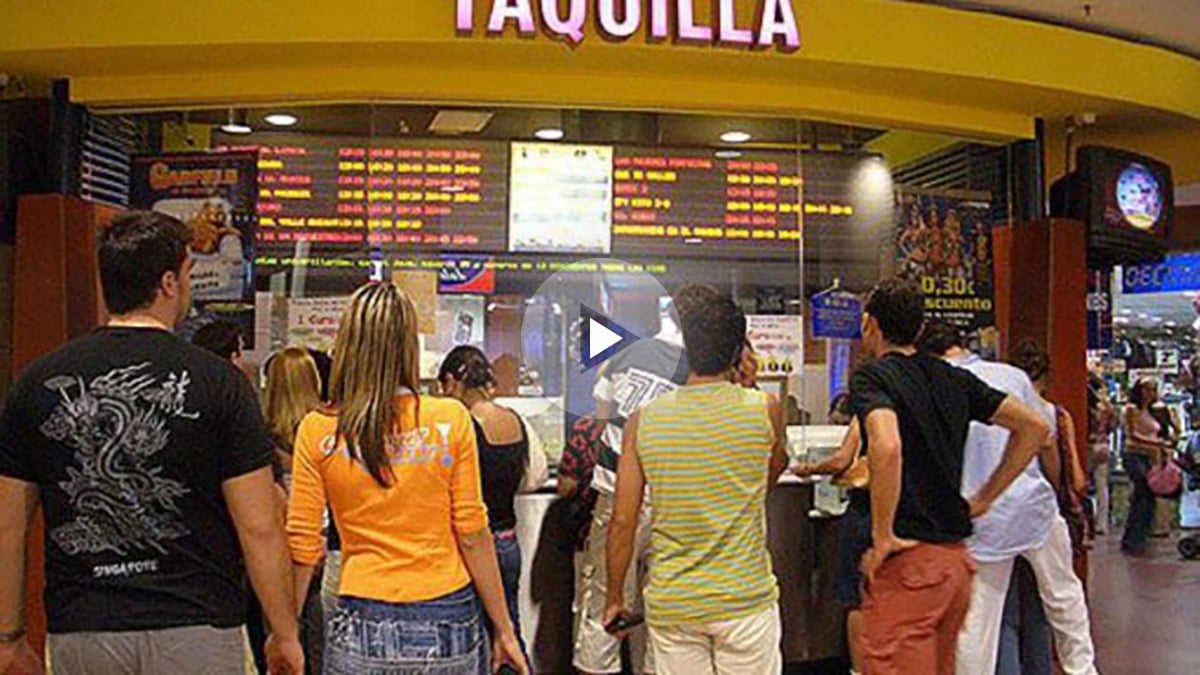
[[945, 242]]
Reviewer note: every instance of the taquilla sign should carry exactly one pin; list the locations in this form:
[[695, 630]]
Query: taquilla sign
[[670, 21]]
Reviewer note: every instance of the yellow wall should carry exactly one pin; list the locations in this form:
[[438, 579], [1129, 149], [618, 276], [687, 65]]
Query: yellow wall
[[866, 61], [1174, 142]]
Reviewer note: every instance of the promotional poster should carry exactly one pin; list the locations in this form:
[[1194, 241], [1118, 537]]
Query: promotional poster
[[945, 243], [215, 195]]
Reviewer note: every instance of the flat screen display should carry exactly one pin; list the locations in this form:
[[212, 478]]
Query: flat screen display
[[396, 194], [561, 199]]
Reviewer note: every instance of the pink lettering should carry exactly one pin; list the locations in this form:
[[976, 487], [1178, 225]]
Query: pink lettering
[[618, 28], [727, 21], [465, 16], [505, 10], [778, 21], [688, 29], [660, 19], [571, 27]]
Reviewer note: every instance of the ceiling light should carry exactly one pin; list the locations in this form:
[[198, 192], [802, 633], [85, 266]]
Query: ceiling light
[[236, 123], [550, 134], [729, 154], [735, 137], [280, 119]]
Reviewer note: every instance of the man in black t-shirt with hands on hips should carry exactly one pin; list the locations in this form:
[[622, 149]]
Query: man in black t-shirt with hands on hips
[[152, 465], [914, 411]]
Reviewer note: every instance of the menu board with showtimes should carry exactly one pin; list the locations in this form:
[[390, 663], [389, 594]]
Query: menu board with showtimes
[[353, 193], [691, 202]]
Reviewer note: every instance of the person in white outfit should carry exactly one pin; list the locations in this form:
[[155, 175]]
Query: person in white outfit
[[1023, 522]]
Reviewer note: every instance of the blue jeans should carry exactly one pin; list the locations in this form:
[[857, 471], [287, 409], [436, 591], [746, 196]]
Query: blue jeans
[[435, 637], [1025, 633], [1140, 521], [508, 556]]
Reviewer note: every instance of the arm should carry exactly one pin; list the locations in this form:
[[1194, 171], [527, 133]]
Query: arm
[[1067, 429], [627, 506], [268, 562], [18, 502], [886, 463], [1028, 433], [566, 486], [537, 471], [838, 461], [1050, 461], [474, 539], [305, 514], [779, 451]]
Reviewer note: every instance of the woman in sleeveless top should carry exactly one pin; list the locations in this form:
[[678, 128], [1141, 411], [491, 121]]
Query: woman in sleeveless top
[[1101, 424], [511, 459], [1144, 448]]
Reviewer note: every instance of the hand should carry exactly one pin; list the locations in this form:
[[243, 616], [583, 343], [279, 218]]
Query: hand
[[285, 656], [883, 549], [805, 470], [18, 658], [977, 506], [506, 650], [616, 608]]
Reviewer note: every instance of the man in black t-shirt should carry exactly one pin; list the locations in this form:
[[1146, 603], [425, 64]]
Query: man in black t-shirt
[[152, 465], [914, 411]]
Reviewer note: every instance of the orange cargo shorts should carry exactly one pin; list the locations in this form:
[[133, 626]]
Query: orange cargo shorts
[[914, 608]]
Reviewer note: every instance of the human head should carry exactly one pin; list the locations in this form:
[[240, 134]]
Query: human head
[[464, 369], [691, 296], [1144, 393], [839, 409], [938, 338], [375, 356], [1031, 358], [145, 266], [714, 334], [893, 315], [223, 338], [293, 391]]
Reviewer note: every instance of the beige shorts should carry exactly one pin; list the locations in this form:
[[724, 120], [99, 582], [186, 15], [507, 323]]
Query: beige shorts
[[203, 650], [596, 651], [746, 646]]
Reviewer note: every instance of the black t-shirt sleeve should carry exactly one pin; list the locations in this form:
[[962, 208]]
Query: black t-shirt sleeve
[[15, 460], [983, 400], [868, 393], [247, 444]]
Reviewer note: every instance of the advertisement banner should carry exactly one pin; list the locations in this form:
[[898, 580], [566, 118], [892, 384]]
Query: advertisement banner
[[215, 195], [836, 315], [778, 340], [1179, 272], [313, 322], [467, 274], [945, 243], [1099, 310]]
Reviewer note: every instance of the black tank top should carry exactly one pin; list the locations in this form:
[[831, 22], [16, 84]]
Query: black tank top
[[502, 468]]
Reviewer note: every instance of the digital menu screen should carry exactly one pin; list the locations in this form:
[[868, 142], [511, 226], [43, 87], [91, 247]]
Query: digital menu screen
[[353, 192], [692, 202], [561, 199]]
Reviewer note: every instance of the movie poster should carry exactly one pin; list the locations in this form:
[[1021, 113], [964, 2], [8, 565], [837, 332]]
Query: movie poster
[[215, 195], [945, 242]]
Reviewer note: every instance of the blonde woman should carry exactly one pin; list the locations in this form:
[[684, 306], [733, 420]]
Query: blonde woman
[[401, 473], [293, 391]]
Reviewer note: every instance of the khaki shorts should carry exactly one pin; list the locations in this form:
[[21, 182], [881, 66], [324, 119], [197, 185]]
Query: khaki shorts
[[748, 645], [595, 650], [203, 650]]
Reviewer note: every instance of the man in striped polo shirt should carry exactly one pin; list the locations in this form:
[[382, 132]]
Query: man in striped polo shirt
[[708, 452]]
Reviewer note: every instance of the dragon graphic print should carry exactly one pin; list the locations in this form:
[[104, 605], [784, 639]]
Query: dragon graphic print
[[116, 425]]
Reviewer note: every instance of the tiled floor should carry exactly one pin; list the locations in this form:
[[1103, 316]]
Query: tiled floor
[[1145, 611]]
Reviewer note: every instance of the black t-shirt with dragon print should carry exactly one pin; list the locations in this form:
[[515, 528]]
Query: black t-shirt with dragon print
[[129, 434]]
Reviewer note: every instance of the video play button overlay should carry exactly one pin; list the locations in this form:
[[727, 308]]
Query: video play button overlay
[[602, 337]]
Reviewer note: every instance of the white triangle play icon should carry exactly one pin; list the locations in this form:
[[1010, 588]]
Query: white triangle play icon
[[601, 338]]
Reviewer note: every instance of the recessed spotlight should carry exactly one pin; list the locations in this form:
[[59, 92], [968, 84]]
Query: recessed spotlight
[[550, 134], [280, 119], [735, 137], [728, 154], [236, 128]]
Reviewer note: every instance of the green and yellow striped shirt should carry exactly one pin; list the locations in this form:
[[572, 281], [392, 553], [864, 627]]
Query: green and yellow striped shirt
[[705, 451]]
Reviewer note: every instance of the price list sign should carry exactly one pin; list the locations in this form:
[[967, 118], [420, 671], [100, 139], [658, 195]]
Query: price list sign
[[355, 193], [667, 199]]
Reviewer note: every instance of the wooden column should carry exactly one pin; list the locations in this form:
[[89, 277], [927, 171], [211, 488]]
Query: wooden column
[[55, 298]]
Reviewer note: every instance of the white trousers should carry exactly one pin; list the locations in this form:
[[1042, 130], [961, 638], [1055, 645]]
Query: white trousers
[[1062, 598], [746, 646]]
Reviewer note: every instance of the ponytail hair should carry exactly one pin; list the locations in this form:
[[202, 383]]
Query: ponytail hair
[[469, 366]]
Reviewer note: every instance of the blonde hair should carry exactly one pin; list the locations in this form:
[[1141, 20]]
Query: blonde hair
[[375, 356], [293, 391]]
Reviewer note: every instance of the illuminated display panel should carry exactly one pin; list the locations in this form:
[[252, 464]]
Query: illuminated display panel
[[561, 199], [398, 194]]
